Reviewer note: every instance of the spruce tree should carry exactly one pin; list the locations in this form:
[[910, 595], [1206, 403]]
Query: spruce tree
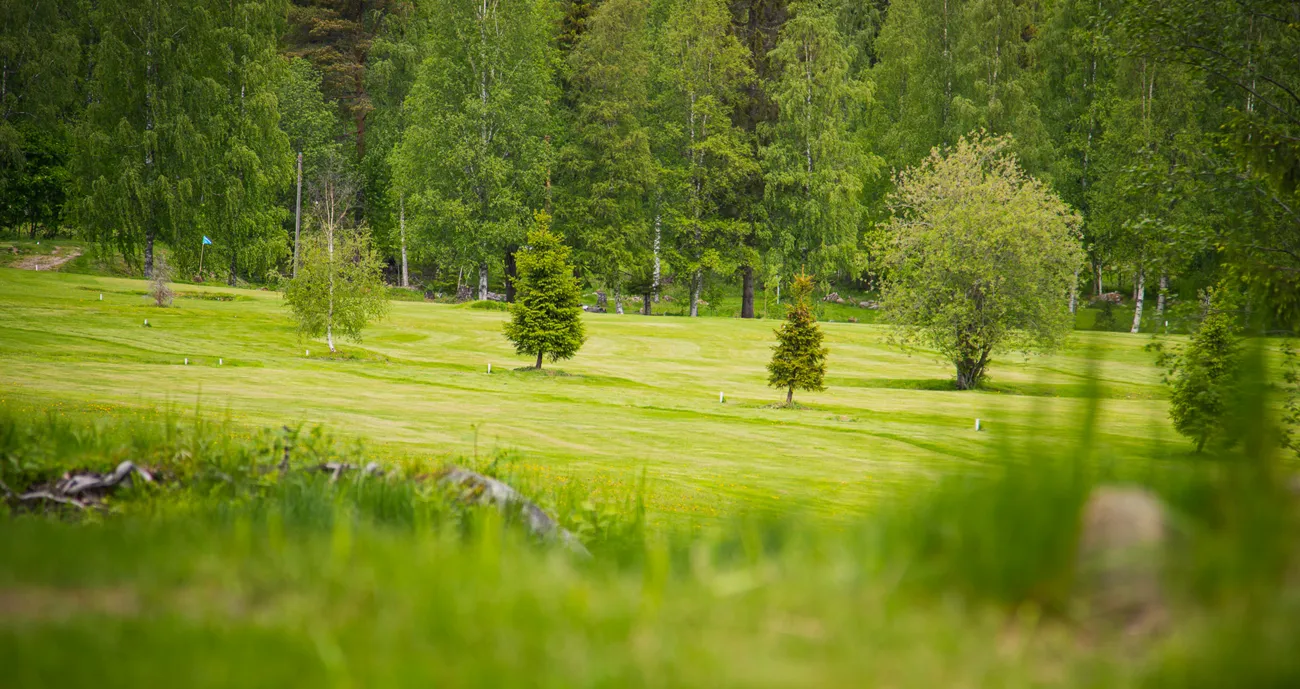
[[546, 317], [1201, 377], [798, 359]]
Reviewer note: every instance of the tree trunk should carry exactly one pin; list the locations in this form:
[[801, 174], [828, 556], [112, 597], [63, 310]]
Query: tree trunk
[[148, 250], [747, 292], [539, 361], [618, 300], [329, 319], [789, 395], [482, 281], [401, 223], [511, 272], [234, 267], [297, 218], [1096, 267], [696, 280], [970, 370], [655, 286], [1160, 298], [1138, 291], [647, 306], [1074, 294]]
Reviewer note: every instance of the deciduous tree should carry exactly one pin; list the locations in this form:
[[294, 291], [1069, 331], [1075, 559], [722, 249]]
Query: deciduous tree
[[980, 257]]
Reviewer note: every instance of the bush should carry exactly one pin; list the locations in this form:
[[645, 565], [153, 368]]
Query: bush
[[1201, 376]]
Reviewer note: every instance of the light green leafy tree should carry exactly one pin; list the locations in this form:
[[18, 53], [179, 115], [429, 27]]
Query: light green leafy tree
[[798, 359], [979, 257], [546, 317], [340, 285]]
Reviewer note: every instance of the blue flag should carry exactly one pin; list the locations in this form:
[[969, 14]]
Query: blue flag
[[206, 240]]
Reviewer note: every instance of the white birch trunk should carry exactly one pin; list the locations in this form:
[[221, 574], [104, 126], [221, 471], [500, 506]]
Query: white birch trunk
[[1160, 298], [401, 215], [618, 300], [482, 281], [329, 318], [1137, 300], [696, 280], [658, 228]]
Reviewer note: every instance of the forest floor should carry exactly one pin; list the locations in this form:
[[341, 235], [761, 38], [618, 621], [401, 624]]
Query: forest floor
[[870, 536]]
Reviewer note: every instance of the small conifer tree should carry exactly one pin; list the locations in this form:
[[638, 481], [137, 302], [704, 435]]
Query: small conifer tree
[[798, 359], [1201, 377], [546, 317]]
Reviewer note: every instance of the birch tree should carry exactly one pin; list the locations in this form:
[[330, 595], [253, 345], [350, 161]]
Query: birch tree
[[472, 160], [701, 70], [141, 146], [815, 163], [340, 284]]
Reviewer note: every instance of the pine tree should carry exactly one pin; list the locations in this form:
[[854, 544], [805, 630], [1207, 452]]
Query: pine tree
[[1201, 377], [798, 359], [546, 317]]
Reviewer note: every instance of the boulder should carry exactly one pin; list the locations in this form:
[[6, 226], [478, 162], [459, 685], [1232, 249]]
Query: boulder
[[1124, 533]]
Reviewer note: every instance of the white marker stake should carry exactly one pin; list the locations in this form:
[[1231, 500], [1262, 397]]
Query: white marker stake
[[977, 424], [146, 322], [307, 353], [489, 368], [187, 361], [721, 398], [221, 362], [101, 297]]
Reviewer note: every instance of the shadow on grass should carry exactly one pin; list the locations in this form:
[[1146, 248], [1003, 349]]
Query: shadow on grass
[[1066, 390]]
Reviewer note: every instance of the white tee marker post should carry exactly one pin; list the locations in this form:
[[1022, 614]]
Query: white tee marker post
[[101, 296], [187, 361], [221, 362], [489, 368], [977, 425], [722, 399]]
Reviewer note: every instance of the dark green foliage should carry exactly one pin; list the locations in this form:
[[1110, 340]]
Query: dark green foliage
[[1202, 377], [798, 359], [546, 318]]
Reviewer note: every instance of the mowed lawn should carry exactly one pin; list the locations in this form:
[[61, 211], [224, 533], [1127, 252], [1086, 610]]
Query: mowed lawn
[[641, 395]]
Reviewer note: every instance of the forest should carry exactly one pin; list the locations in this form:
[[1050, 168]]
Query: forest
[[692, 145]]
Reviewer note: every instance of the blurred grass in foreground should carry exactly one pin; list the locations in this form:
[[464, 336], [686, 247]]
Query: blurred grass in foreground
[[231, 574]]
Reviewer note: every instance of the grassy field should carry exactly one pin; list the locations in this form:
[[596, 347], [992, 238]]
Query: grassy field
[[868, 537], [642, 394]]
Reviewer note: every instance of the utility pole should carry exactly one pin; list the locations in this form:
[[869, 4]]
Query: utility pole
[[297, 218]]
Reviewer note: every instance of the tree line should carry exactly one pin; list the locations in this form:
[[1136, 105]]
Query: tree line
[[684, 142]]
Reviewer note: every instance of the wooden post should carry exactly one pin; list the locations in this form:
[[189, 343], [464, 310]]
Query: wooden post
[[297, 217]]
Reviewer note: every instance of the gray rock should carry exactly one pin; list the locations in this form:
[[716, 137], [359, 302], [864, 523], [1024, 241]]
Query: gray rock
[[1124, 533], [476, 489]]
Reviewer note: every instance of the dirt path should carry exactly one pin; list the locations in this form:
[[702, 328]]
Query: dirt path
[[49, 261]]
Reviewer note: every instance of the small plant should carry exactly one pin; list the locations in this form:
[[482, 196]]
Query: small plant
[[798, 359], [1201, 376], [158, 288]]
